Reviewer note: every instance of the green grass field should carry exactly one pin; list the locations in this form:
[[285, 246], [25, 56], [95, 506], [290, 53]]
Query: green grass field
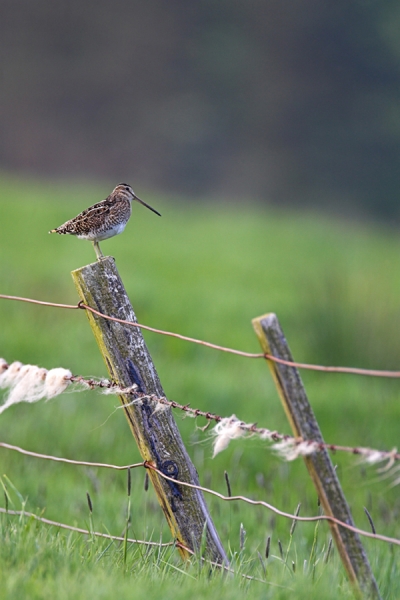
[[205, 271]]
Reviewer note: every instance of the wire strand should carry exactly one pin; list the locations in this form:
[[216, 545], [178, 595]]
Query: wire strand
[[226, 429], [297, 365], [148, 465], [68, 460], [281, 513], [23, 513]]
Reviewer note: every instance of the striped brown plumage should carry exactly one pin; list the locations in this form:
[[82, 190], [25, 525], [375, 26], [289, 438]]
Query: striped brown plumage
[[104, 219]]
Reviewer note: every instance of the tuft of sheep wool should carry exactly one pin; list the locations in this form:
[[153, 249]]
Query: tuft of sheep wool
[[226, 430], [29, 383]]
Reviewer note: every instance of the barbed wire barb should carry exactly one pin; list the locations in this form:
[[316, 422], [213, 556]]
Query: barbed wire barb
[[29, 383]]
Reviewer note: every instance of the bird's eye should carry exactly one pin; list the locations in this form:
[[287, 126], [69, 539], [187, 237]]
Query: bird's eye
[[127, 189]]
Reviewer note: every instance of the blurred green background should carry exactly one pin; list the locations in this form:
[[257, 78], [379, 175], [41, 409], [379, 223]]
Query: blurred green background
[[205, 270], [284, 103], [268, 137]]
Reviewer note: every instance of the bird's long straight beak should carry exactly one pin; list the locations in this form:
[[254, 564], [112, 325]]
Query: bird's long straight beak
[[147, 206]]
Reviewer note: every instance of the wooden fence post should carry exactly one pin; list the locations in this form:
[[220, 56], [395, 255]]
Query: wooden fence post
[[129, 362], [319, 465]]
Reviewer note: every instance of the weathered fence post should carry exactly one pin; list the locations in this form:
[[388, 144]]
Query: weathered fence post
[[319, 465], [129, 362]]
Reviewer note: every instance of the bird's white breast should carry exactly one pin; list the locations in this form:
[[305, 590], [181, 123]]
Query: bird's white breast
[[98, 236], [116, 230]]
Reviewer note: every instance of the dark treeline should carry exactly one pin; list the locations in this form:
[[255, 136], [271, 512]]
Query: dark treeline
[[281, 101]]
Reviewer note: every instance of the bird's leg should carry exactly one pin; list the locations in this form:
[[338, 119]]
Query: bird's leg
[[99, 253]]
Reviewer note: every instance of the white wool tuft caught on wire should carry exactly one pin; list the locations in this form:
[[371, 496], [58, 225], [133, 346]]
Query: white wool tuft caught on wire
[[226, 430], [231, 428], [29, 383], [373, 457], [290, 449], [116, 389]]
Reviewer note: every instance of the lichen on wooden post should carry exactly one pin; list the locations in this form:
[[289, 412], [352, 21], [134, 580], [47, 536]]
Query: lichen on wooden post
[[129, 362], [304, 424]]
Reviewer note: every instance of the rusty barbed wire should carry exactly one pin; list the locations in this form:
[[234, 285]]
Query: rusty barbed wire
[[227, 428], [248, 428], [297, 365], [251, 428]]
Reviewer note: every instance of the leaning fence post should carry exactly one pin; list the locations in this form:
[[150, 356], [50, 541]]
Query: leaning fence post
[[157, 435], [304, 425]]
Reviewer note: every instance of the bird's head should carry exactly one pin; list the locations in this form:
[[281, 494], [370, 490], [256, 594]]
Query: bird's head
[[124, 189]]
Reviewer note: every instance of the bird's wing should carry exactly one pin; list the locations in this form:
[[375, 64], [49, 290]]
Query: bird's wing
[[99, 210]]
